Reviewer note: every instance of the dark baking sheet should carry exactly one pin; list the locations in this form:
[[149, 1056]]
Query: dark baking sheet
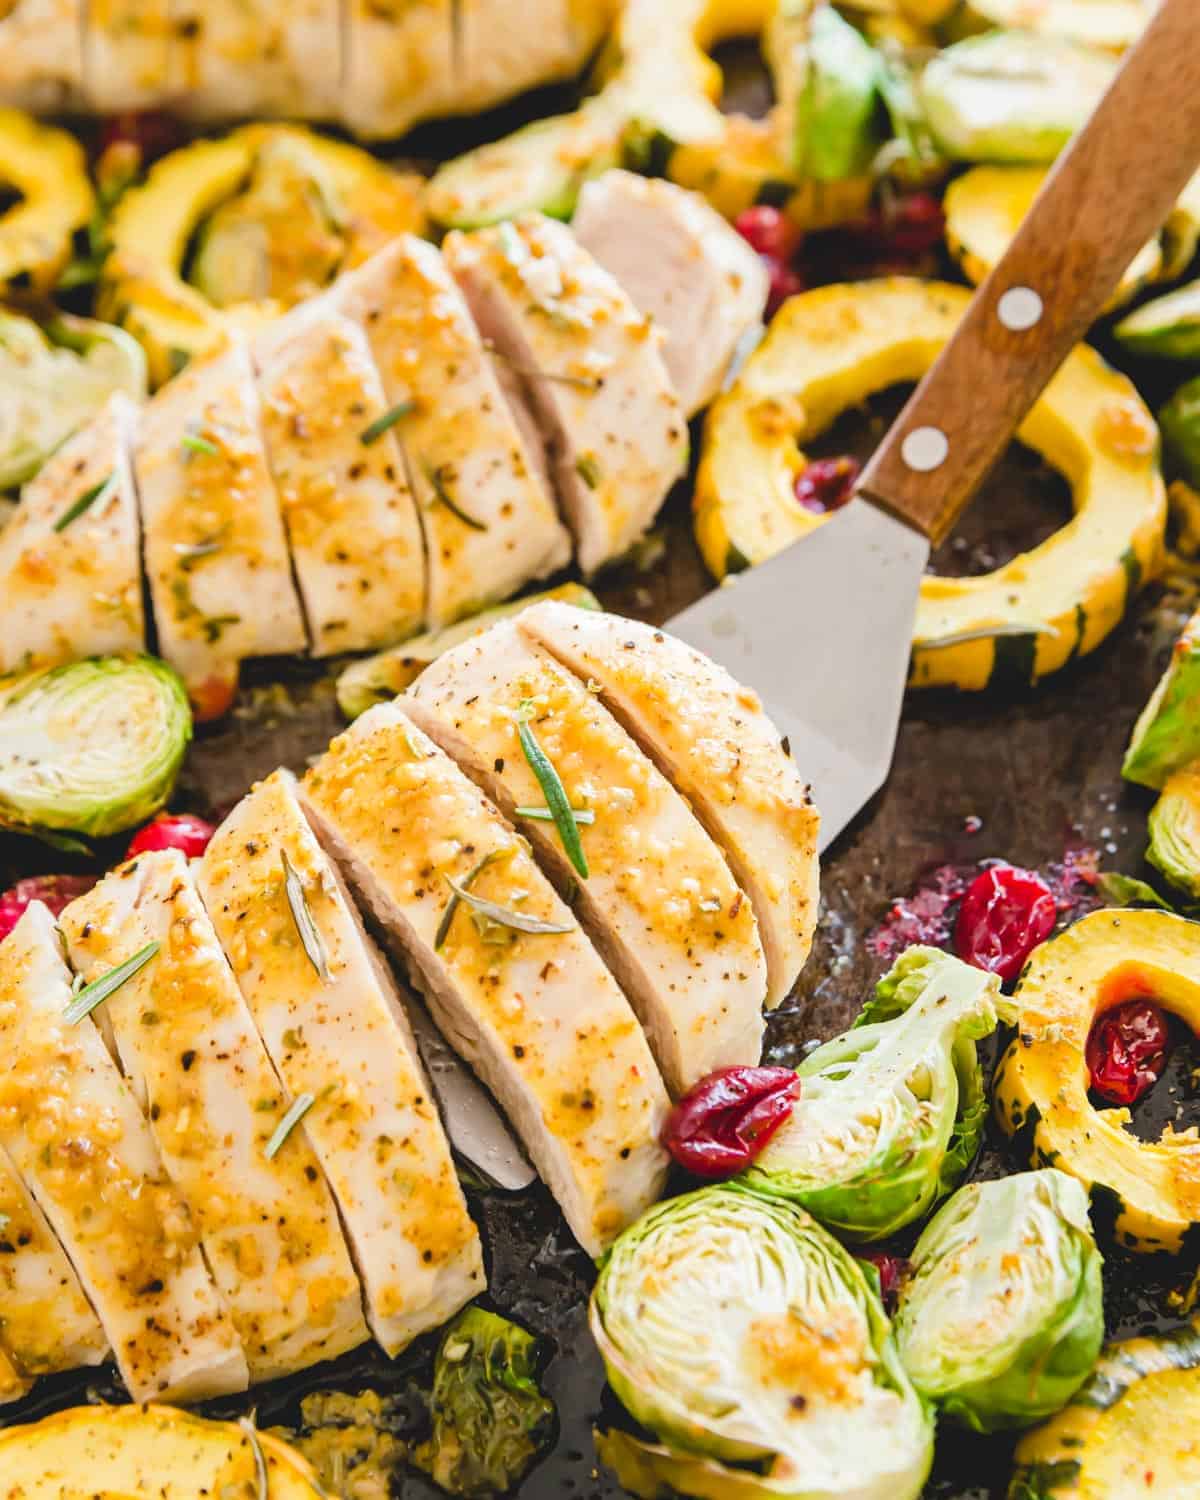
[[1038, 772]]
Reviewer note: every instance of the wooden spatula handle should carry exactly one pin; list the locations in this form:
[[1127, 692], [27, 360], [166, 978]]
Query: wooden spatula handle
[[1107, 195]]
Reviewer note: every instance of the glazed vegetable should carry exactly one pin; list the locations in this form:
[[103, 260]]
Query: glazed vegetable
[[1179, 420], [890, 1112], [1002, 1315], [90, 748], [755, 1350], [724, 1121], [53, 379], [1110, 24], [490, 1418], [1004, 915], [1166, 737], [1168, 327], [45, 197], [1174, 827]]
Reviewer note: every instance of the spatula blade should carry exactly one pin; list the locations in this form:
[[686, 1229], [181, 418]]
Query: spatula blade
[[823, 633]]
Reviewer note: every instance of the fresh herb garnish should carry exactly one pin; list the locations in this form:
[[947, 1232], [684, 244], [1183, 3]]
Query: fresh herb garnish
[[512, 244], [300, 1107], [310, 936], [190, 553], [91, 995], [452, 905], [85, 502], [196, 442], [589, 470], [504, 916], [443, 494], [552, 789], [261, 1477], [216, 625], [582, 815], [385, 423], [531, 372]]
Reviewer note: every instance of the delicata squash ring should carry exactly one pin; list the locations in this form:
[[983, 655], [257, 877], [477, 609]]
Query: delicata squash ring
[[1147, 1192], [47, 171], [830, 349], [154, 230]]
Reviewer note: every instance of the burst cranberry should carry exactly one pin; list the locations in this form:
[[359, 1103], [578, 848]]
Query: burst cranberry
[[782, 282], [723, 1122], [57, 891], [1127, 1050], [769, 232], [189, 835], [827, 484], [152, 131], [911, 225], [892, 1270], [1005, 914]]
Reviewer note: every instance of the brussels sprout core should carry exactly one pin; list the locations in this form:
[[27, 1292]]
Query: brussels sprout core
[[1175, 831], [1002, 1317], [93, 747]]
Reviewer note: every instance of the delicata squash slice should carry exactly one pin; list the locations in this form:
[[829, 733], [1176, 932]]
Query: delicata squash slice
[[830, 349], [45, 172], [225, 233], [1146, 1193], [148, 1450]]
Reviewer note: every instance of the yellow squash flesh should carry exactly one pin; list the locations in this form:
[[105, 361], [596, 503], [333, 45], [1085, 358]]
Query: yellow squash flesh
[[46, 170], [1147, 1193], [829, 350]]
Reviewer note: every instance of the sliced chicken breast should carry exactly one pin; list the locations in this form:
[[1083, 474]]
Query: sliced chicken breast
[[711, 738], [70, 563], [592, 369], [46, 1322], [494, 60], [126, 54], [658, 901], [535, 1012], [684, 266], [41, 55], [71, 1126], [490, 520], [399, 64], [215, 551], [234, 59], [188, 1046], [342, 1036], [351, 518]]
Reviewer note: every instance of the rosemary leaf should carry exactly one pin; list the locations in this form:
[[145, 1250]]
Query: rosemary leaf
[[300, 1107], [261, 1479], [443, 494], [195, 442], [553, 791], [386, 422], [557, 377], [452, 905], [504, 916], [310, 936], [589, 470], [100, 989], [582, 815], [85, 502]]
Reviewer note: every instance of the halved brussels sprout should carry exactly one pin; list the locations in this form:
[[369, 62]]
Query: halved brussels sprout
[[1011, 96], [52, 380], [1179, 422], [1168, 327], [1175, 830], [890, 1112], [1002, 1315], [756, 1351], [826, 77], [92, 747]]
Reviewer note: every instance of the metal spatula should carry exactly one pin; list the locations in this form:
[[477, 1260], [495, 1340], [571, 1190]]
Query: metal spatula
[[823, 631]]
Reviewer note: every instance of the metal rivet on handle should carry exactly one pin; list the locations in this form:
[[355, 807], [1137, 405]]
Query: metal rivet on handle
[[925, 448], [1019, 308]]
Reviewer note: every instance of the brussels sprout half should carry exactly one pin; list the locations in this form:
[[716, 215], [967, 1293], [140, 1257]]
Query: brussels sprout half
[[891, 1111], [92, 747], [753, 1347], [1175, 830], [1002, 1316]]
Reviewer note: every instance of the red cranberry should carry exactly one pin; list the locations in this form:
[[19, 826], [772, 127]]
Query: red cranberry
[[827, 483], [723, 1122], [892, 1270], [1005, 914], [1127, 1050], [189, 835], [782, 282], [57, 891], [153, 132], [911, 225], [768, 231]]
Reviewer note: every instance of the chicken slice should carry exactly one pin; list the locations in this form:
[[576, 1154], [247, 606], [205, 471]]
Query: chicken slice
[[70, 565], [592, 369], [46, 1322], [351, 518], [126, 47], [495, 60], [235, 59], [490, 520], [710, 736], [344, 1039], [186, 1041], [684, 266], [41, 55], [216, 555], [73, 1129], [659, 901], [399, 64], [535, 1013]]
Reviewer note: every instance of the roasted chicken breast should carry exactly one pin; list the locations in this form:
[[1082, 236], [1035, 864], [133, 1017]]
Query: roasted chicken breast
[[41, 54], [126, 54]]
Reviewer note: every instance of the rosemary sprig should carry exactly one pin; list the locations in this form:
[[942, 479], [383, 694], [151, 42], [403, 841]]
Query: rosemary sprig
[[557, 377], [261, 1478], [196, 442], [588, 468], [442, 493], [504, 916], [300, 1107], [582, 815], [91, 995], [309, 933], [385, 423], [552, 789], [85, 502], [452, 905]]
